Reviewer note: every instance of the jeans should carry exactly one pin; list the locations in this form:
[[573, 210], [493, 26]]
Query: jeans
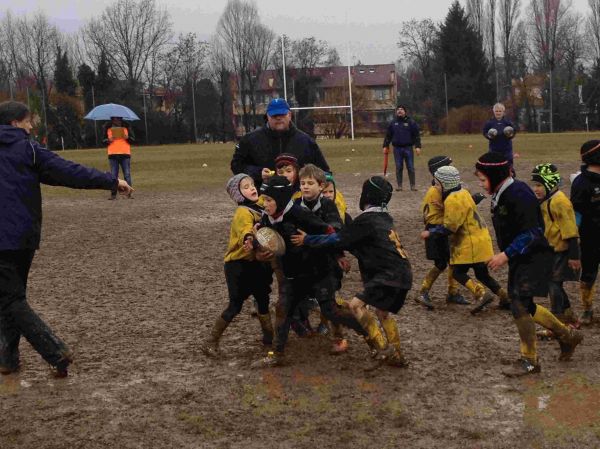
[[17, 318], [125, 162], [404, 155]]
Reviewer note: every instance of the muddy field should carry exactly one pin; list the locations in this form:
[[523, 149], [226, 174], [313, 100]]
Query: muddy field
[[134, 285]]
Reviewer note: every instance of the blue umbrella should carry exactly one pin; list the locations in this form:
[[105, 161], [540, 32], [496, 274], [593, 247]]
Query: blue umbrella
[[106, 111]]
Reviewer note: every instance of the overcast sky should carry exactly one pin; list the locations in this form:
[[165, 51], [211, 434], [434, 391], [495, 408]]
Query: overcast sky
[[369, 28]]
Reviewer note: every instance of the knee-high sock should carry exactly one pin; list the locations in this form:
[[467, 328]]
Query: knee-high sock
[[430, 278], [545, 318], [452, 283], [587, 294], [476, 288], [390, 328], [526, 328], [375, 338]]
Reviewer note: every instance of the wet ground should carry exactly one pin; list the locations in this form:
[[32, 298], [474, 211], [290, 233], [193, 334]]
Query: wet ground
[[134, 285]]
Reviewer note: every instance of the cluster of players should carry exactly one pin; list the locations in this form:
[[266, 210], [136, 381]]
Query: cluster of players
[[545, 238]]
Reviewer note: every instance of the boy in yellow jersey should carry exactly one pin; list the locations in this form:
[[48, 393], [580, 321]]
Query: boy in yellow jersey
[[436, 246], [560, 229], [470, 240], [245, 275]]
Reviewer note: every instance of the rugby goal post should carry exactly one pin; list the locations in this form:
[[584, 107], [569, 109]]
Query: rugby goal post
[[304, 108]]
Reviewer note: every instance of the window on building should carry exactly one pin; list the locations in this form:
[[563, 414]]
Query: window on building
[[381, 93]]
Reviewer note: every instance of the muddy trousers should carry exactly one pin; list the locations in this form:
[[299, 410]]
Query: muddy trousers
[[293, 291], [18, 319], [245, 278], [590, 261], [482, 274], [559, 299]]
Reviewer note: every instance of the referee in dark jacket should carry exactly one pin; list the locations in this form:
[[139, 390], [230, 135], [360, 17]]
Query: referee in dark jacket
[[404, 134], [24, 165], [256, 152]]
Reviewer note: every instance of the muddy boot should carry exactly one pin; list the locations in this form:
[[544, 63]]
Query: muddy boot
[[482, 303], [567, 337], [395, 356], [527, 364], [569, 318], [340, 344], [323, 327], [457, 298], [61, 369], [424, 299], [522, 367], [504, 300], [210, 347], [272, 360], [587, 296], [267, 328]]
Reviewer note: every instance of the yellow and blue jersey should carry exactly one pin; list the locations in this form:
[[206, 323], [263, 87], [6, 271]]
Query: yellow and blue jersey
[[242, 224], [559, 221], [470, 241], [432, 207]]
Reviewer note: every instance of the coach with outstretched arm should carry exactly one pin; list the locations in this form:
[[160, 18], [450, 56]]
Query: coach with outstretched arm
[[256, 152]]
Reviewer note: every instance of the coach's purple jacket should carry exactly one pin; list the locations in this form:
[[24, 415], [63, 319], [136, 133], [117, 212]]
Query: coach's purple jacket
[[24, 164]]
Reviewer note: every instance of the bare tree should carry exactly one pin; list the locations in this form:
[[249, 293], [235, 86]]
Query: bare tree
[[220, 74], [593, 30], [490, 17], [38, 41], [508, 13], [475, 11], [417, 43], [129, 33], [261, 50], [9, 51], [547, 18]]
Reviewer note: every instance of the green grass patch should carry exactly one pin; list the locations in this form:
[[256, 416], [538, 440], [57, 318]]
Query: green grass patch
[[172, 168]]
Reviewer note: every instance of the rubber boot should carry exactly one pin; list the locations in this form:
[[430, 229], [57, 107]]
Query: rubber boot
[[61, 369], [453, 284], [396, 358], [567, 337], [482, 299], [569, 318], [210, 347], [267, 328], [528, 363], [411, 177], [587, 296], [272, 359], [504, 303]]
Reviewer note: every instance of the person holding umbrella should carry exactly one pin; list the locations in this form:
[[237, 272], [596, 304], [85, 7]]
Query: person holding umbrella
[[118, 137]]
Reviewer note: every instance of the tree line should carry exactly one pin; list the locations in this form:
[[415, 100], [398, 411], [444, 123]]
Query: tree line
[[541, 58], [534, 57]]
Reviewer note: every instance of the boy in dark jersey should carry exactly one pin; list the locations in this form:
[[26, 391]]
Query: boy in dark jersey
[[519, 230], [383, 263], [585, 196]]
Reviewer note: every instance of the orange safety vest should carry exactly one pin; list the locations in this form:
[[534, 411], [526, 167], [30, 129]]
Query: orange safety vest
[[119, 146]]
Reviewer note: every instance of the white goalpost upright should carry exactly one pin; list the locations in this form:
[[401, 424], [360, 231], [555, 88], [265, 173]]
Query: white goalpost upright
[[302, 108]]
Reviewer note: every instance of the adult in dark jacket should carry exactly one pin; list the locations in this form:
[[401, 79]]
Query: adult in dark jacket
[[500, 132], [403, 133], [256, 152], [24, 165]]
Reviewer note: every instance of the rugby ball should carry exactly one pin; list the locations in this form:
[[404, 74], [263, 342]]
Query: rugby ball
[[492, 133], [509, 131], [270, 240]]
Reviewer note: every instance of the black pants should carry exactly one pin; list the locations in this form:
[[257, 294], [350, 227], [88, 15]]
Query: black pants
[[590, 260], [459, 272], [17, 318], [245, 278], [293, 291]]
